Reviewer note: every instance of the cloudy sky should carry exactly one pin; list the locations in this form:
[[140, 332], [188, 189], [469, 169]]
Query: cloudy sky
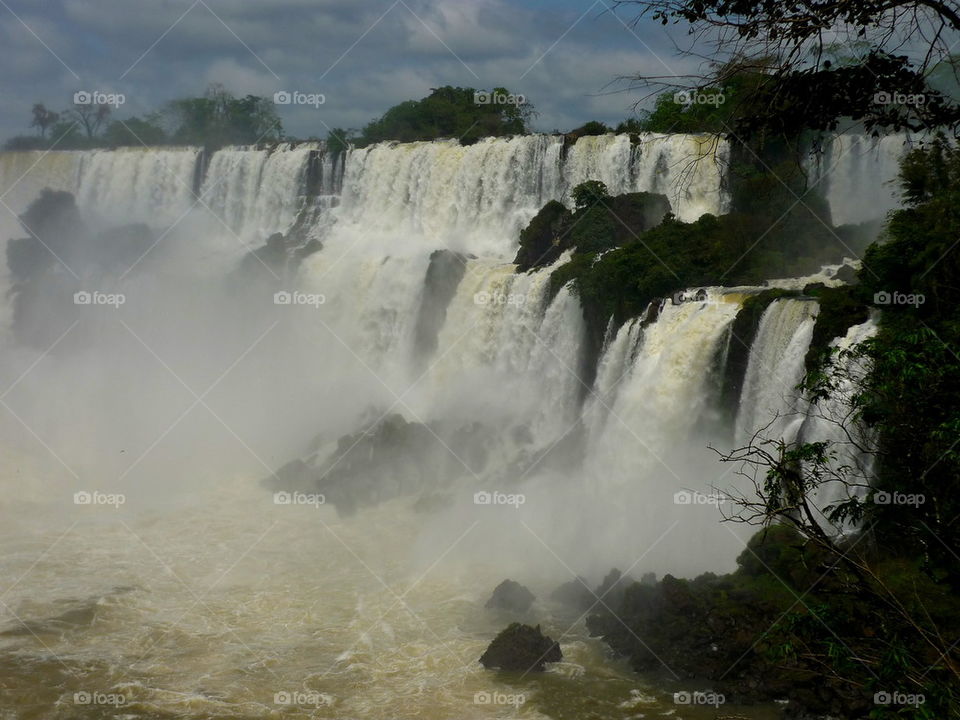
[[362, 55]]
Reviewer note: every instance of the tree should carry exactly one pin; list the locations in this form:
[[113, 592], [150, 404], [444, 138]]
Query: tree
[[464, 114], [218, 118], [804, 80], [43, 118], [134, 131], [589, 193], [90, 117]]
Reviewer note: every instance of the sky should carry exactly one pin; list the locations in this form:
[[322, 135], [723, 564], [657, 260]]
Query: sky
[[362, 56]]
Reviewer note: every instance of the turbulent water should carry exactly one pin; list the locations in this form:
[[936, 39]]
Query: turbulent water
[[199, 596]]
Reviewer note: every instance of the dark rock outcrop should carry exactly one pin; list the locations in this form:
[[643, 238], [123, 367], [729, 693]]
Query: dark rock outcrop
[[521, 648], [387, 458], [612, 588], [444, 273], [512, 596], [614, 222], [575, 594], [540, 241]]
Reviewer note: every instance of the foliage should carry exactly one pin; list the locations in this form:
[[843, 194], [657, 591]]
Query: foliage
[[218, 118], [589, 193], [803, 81], [460, 113], [43, 118], [338, 140], [135, 132]]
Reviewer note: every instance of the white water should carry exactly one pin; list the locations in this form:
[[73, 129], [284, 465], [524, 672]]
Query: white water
[[774, 369], [858, 175], [831, 420], [207, 599], [478, 198]]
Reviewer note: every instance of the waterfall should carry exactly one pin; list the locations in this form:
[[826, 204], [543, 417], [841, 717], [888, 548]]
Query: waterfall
[[774, 369], [477, 198], [661, 394], [830, 420], [258, 191], [857, 173]]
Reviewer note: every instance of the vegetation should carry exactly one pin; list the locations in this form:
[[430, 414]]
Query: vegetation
[[460, 113], [213, 120], [809, 78]]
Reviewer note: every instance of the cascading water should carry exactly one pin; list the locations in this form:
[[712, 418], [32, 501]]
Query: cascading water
[[857, 175], [200, 384], [774, 369], [477, 198], [831, 420]]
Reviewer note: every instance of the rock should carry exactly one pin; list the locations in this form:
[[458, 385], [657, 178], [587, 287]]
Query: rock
[[512, 596], [385, 458], [521, 648], [575, 594], [847, 275], [540, 240], [612, 588]]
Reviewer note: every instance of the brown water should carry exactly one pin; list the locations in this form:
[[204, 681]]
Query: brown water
[[230, 606]]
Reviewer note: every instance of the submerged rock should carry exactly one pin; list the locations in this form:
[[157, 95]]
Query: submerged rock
[[521, 648], [512, 596]]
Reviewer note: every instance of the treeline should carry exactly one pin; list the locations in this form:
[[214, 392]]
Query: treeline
[[219, 118], [216, 119]]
